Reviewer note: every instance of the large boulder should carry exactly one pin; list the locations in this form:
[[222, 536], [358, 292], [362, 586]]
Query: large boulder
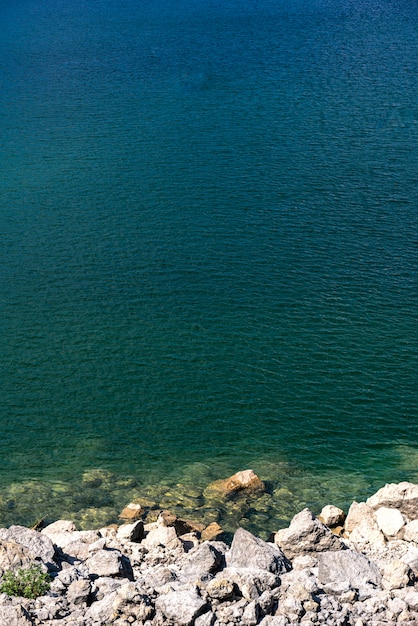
[[39, 546], [181, 607], [361, 527], [402, 496], [306, 534], [14, 616], [203, 560], [13, 556], [165, 536], [251, 583], [347, 566], [251, 552], [110, 563]]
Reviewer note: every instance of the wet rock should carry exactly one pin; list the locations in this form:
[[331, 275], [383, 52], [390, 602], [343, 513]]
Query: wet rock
[[251, 552], [213, 531], [244, 480], [306, 534], [182, 607], [132, 512]]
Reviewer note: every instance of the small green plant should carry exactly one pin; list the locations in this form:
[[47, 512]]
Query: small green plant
[[30, 582]]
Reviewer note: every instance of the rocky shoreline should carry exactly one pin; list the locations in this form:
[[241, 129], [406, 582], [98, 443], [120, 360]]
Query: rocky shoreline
[[335, 569]]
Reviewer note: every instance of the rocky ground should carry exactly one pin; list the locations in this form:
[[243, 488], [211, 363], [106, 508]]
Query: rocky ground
[[357, 569]]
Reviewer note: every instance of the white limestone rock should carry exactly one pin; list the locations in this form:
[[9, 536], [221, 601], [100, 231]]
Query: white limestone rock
[[182, 607], [332, 516], [402, 496], [397, 574], [252, 552], [40, 546], [348, 566], [389, 521], [306, 534], [110, 563], [14, 616], [162, 536], [411, 531], [131, 532]]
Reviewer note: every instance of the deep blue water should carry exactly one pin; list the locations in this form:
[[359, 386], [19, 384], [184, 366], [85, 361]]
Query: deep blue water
[[209, 238]]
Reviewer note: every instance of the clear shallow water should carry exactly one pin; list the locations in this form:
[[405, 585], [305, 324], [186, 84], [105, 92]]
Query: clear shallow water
[[209, 242]]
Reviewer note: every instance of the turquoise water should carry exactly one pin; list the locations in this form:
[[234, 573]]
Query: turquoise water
[[209, 238]]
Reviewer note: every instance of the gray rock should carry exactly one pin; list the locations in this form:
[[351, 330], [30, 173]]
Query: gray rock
[[306, 534], [104, 586], [182, 607], [250, 582], [79, 591], [274, 620], [131, 603], [203, 559], [14, 616], [37, 544], [251, 552], [109, 563], [250, 614], [162, 536], [14, 556], [347, 565], [50, 607], [101, 612], [220, 588], [230, 612], [131, 532], [206, 619]]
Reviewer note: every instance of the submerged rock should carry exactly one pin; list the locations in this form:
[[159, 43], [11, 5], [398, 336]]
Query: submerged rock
[[245, 480], [146, 575]]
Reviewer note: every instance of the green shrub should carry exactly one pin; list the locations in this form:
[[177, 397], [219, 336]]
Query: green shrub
[[29, 582]]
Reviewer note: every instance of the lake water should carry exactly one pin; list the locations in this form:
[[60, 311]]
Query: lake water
[[209, 238]]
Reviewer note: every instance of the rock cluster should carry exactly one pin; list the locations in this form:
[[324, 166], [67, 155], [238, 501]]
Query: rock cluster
[[360, 570]]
